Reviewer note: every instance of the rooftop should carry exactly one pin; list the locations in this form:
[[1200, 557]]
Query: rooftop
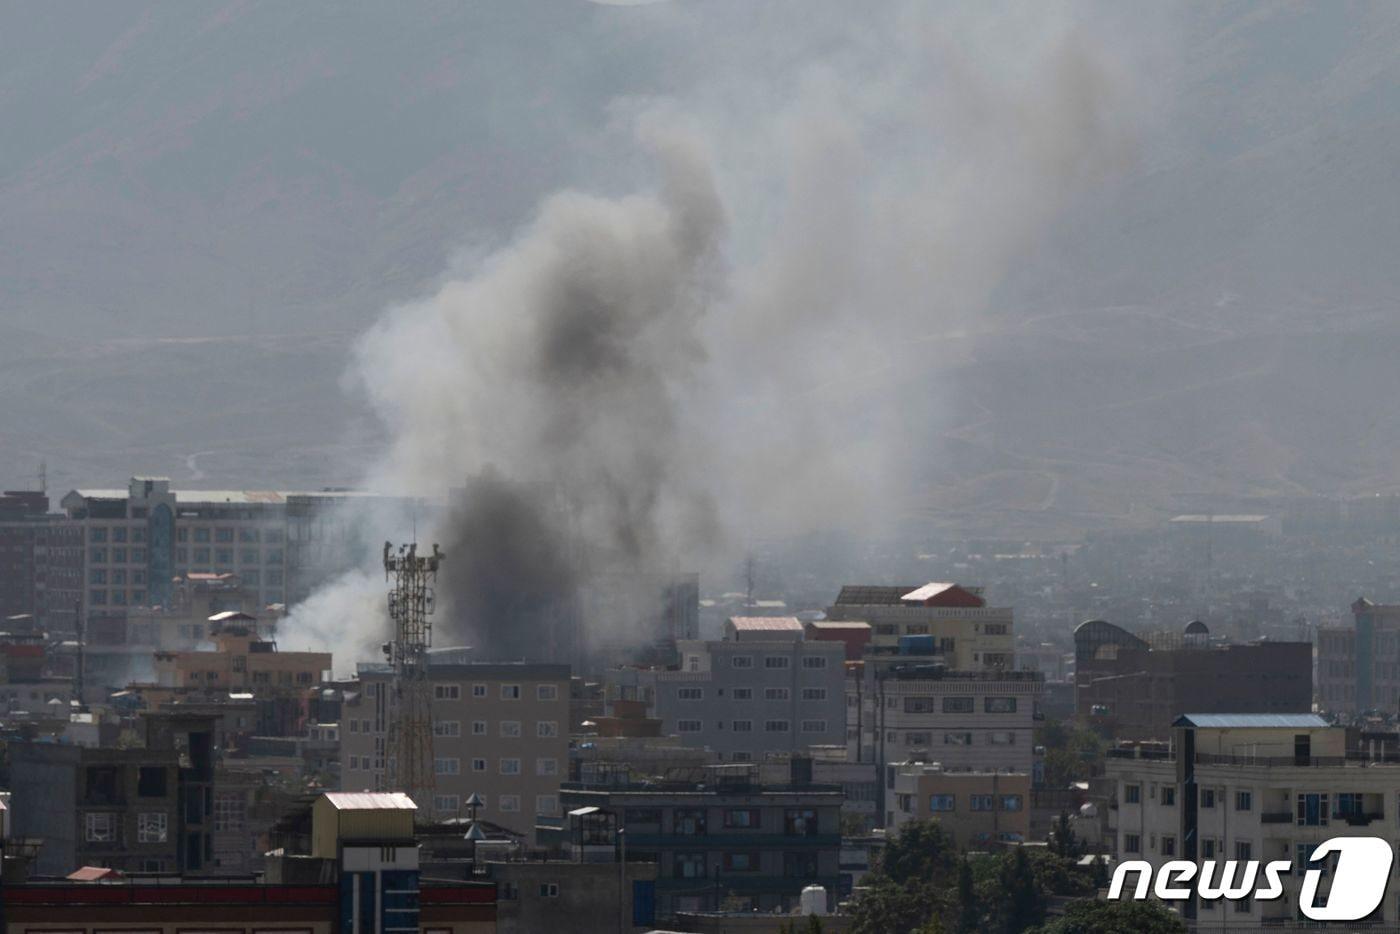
[[1244, 721], [766, 623], [370, 801]]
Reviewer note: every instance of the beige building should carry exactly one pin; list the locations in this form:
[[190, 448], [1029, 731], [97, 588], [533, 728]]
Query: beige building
[[977, 809], [951, 621], [1256, 787], [500, 731], [242, 658]]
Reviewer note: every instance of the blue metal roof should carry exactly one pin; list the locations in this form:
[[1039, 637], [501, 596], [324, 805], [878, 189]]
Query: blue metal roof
[[1296, 721]]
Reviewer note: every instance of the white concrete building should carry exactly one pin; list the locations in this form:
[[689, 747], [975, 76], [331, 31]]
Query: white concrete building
[[1250, 787]]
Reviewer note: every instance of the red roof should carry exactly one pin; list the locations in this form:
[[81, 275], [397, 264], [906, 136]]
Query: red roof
[[766, 623]]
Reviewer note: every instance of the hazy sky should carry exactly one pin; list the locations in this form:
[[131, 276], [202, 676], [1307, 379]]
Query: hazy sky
[[1045, 266]]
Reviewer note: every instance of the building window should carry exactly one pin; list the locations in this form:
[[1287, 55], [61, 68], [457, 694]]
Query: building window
[[478, 690], [447, 766], [957, 739], [957, 705], [688, 726], [546, 729], [1132, 843], [230, 811], [1001, 738], [151, 781], [1207, 797], [1244, 851], [688, 866], [98, 555], [772, 662], [510, 766], [447, 692], [223, 535], [1168, 845], [547, 805], [201, 556], [546, 765], [478, 727], [97, 597], [814, 661], [1132, 794], [440, 727], [777, 726], [920, 704], [223, 557], [814, 694], [1312, 810], [980, 802], [97, 534], [151, 827], [510, 729], [509, 803], [1244, 800], [689, 694], [740, 862], [746, 818], [741, 661], [743, 694], [248, 556], [1168, 796], [742, 726], [944, 803], [100, 827], [689, 822], [1207, 848], [999, 704], [1011, 802], [478, 765], [446, 804], [777, 694], [547, 692], [813, 726], [800, 822]]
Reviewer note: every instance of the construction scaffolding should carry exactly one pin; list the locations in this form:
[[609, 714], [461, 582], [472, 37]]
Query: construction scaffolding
[[410, 747]]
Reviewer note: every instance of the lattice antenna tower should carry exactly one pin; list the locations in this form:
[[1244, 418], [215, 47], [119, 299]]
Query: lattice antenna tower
[[410, 747]]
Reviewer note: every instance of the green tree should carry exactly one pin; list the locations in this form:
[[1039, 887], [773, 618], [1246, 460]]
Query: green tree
[[1090, 916], [1023, 903], [1070, 751], [1063, 841], [909, 891], [920, 850], [969, 910]]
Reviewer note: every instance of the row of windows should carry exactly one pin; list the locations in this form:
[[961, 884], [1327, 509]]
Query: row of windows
[[545, 805], [451, 765], [117, 576], [479, 691], [955, 704], [117, 555], [954, 738], [772, 694], [695, 821], [105, 827], [100, 534], [225, 535], [947, 803], [746, 726], [224, 556], [774, 662], [1132, 794], [116, 597], [508, 729]]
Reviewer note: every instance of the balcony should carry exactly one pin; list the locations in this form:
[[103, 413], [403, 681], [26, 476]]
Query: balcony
[[671, 841], [1276, 817], [1358, 820]]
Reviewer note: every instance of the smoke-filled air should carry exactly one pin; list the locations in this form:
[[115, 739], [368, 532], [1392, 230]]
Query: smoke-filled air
[[724, 325]]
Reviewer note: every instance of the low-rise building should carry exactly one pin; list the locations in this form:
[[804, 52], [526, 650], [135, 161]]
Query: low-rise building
[[960, 627], [1248, 787], [500, 731], [727, 841], [976, 809]]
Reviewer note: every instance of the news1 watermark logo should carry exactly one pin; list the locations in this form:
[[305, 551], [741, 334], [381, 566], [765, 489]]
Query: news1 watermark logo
[[1358, 885]]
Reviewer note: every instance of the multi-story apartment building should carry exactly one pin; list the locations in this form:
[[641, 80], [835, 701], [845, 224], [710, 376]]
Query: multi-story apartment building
[[1137, 687], [729, 839], [956, 621], [280, 544], [1358, 666], [975, 808], [241, 660], [960, 719], [137, 810], [1249, 787], [40, 562], [763, 688], [500, 731]]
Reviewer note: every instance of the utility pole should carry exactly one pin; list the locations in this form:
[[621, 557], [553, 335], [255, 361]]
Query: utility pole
[[411, 599]]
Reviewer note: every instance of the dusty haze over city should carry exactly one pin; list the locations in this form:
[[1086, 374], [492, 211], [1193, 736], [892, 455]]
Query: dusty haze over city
[[1024, 270]]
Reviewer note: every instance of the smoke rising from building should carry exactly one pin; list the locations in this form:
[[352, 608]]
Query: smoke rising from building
[[739, 344]]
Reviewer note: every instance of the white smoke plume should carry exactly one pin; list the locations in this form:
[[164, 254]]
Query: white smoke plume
[[739, 345]]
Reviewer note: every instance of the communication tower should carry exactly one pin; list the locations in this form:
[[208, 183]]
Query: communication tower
[[410, 748]]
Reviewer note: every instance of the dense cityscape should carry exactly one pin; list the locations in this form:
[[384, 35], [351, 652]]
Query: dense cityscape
[[755, 756]]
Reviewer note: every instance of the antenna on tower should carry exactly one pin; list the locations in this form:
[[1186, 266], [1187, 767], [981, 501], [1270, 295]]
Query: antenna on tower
[[44, 477], [409, 757]]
